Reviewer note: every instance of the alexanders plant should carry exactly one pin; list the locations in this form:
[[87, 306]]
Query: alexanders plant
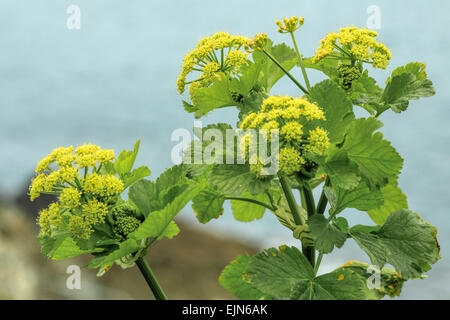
[[91, 216], [320, 144]]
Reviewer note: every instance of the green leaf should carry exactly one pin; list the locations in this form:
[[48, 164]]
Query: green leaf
[[271, 72], [218, 95], [336, 285], [135, 175], [415, 68], [405, 87], [337, 107], [277, 272], [377, 160], [394, 200], [328, 66], [326, 235], [125, 161], [251, 103], [208, 205], [246, 211], [405, 241], [232, 279], [361, 198], [189, 107], [405, 83], [287, 274], [342, 172], [391, 283], [235, 179], [248, 78], [154, 195], [144, 195], [127, 247], [171, 231], [61, 248], [156, 224], [366, 93]]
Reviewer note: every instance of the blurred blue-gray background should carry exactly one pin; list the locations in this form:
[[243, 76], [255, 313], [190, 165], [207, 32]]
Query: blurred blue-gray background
[[113, 82]]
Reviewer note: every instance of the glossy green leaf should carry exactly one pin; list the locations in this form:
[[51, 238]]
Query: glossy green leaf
[[287, 274], [341, 171], [271, 73], [405, 241], [326, 235], [377, 160], [390, 282], [216, 96], [208, 205], [232, 279], [135, 175], [246, 211], [404, 87], [157, 222], [234, 180], [394, 200], [125, 161], [361, 198], [337, 107]]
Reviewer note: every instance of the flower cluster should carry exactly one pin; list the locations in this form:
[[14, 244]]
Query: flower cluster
[[292, 118], [82, 200], [357, 44], [289, 25], [218, 53], [258, 43]]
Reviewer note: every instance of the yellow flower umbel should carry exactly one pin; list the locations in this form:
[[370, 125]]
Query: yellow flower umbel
[[220, 53], [289, 25], [49, 218], [83, 200], [355, 44], [299, 138], [258, 43]]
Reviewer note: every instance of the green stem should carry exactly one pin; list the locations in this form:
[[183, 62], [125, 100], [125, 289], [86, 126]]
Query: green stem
[[319, 260], [286, 72], [300, 61], [309, 200], [343, 51], [298, 219], [310, 251], [151, 279], [322, 204], [252, 201]]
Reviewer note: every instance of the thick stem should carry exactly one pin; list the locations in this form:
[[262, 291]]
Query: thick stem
[[300, 61], [286, 72], [310, 251], [151, 279], [298, 219], [322, 204]]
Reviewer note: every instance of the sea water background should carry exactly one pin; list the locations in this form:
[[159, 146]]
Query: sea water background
[[113, 82]]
